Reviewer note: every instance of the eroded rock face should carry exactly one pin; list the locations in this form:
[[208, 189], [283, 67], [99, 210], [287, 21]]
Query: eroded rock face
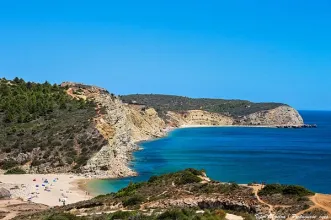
[[283, 115], [204, 202], [122, 126], [198, 117]]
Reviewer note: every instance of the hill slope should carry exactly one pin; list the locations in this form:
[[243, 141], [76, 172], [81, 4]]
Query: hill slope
[[165, 103], [188, 194]]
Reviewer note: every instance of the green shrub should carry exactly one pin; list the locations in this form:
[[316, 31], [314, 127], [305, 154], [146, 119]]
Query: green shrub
[[134, 200], [62, 216], [196, 172], [187, 177], [15, 170], [129, 190], [121, 215], [153, 179], [291, 190], [220, 213], [8, 164], [172, 214]]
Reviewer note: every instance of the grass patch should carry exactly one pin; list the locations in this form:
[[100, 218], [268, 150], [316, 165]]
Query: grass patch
[[15, 170]]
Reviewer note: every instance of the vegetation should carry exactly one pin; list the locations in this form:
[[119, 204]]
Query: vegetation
[[168, 196], [15, 170], [61, 216], [292, 190], [42, 124], [164, 103]]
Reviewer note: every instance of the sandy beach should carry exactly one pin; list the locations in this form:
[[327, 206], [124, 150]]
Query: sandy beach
[[48, 189]]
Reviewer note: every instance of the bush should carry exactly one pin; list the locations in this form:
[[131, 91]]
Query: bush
[[196, 172], [121, 215], [153, 179], [62, 216], [15, 170], [8, 164], [291, 190], [134, 200], [172, 214], [188, 177], [129, 190], [36, 163], [220, 213], [296, 190]]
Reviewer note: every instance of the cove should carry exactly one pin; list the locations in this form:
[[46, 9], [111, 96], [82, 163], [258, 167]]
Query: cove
[[239, 154]]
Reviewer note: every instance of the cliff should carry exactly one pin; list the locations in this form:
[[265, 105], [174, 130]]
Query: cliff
[[124, 124], [86, 129]]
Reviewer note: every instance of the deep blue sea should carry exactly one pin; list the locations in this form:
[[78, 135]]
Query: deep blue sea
[[240, 154]]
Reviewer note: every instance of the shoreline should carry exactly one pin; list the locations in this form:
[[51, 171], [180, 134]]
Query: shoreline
[[34, 188], [76, 186]]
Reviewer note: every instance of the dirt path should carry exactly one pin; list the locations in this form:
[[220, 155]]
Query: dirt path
[[15, 207], [4, 208], [256, 189], [321, 201]]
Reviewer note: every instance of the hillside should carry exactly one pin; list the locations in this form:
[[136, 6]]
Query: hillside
[[189, 194], [44, 128], [182, 111], [165, 103]]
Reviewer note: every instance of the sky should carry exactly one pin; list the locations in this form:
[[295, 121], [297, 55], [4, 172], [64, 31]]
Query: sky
[[278, 51]]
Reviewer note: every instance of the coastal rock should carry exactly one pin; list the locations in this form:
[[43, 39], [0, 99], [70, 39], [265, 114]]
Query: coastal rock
[[122, 126], [283, 115], [198, 117]]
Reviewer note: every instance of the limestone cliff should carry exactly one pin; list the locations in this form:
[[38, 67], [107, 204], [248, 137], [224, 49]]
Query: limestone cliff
[[198, 117], [121, 125], [283, 115]]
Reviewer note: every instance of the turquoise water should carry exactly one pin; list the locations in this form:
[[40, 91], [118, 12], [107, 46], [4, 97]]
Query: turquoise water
[[243, 155]]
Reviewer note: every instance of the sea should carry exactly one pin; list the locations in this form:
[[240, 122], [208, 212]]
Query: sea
[[239, 154]]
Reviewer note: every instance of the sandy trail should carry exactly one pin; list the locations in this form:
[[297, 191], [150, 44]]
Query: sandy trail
[[321, 201], [256, 188]]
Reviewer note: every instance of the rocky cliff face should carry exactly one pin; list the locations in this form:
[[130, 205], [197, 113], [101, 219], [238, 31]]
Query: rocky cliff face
[[122, 126], [283, 115], [280, 116], [198, 117]]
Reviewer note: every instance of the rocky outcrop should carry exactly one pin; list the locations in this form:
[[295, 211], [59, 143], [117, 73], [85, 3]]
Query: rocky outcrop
[[206, 202], [122, 126], [198, 117], [283, 115]]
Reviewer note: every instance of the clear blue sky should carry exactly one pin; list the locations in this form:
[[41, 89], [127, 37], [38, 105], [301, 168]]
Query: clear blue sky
[[257, 50]]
